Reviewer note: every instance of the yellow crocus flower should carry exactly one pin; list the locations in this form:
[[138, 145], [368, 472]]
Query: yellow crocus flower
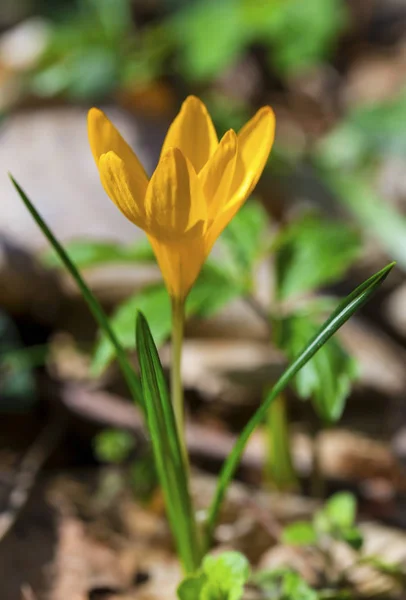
[[196, 189]]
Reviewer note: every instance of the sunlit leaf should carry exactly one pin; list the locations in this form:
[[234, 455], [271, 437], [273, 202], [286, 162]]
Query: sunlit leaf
[[313, 252]]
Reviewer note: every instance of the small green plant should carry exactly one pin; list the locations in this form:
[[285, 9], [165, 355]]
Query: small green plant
[[161, 412]]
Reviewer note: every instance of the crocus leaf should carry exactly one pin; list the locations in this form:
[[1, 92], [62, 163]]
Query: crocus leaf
[[94, 305], [171, 468], [313, 252], [326, 379], [343, 312]]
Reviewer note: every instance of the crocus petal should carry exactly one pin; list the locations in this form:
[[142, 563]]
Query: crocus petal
[[218, 173], [124, 186], [193, 133], [174, 201], [180, 263], [104, 137], [254, 145]]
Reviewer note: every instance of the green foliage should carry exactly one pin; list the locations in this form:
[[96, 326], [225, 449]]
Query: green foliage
[[17, 383], [313, 252], [244, 241], [169, 460], [336, 519], [284, 584], [326, 379], [113, 445], [221, 577], [93, 304], [88, 253], [343, 312], [213, 290], [154, 302], [297, 34], [366, 132], [300, 533], [371, 211]]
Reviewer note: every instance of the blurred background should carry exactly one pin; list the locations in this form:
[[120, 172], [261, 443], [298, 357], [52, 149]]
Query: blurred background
[[334, 71]]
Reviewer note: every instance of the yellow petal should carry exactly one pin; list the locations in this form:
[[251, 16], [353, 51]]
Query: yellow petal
[[124, 186], [104, 137], [217, 175], [193, 133], [174, 202], [254, 145], [180, 263]]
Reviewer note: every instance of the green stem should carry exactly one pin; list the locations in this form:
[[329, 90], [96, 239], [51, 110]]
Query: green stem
[[178, 321], [280, 464]]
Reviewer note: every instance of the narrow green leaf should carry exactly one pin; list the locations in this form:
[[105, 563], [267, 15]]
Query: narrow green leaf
[[326, 379], [95, 307], [170, 464], [344, 311]]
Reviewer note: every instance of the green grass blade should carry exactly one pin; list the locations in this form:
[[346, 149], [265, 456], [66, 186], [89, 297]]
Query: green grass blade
[[343, 312], [171, 467], [95, 307]]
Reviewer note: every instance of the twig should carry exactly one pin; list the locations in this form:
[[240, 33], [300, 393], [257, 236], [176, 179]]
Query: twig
[[30, 466]]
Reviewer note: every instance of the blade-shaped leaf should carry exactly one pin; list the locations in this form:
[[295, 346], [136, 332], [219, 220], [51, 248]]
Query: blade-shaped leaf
[[170, 464], [95, 307], [326, 379], [344, 311]]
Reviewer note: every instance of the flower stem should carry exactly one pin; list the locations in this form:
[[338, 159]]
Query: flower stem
[[178, 320]]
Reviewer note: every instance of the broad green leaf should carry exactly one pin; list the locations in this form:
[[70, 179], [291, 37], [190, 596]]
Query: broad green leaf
[[169, 460], [284, 584], [113, 445], [191, 587], [210, 293], [244, 239], [299, 34], [221, 577], [94, 306], [213, 289], [313, 252], [87, 253], [353, 537], [343, 312], [327, 378], [341, 509], [372, 212], [300, 533], [226, 575], [228, 37], [154, 302], [367, 131]]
